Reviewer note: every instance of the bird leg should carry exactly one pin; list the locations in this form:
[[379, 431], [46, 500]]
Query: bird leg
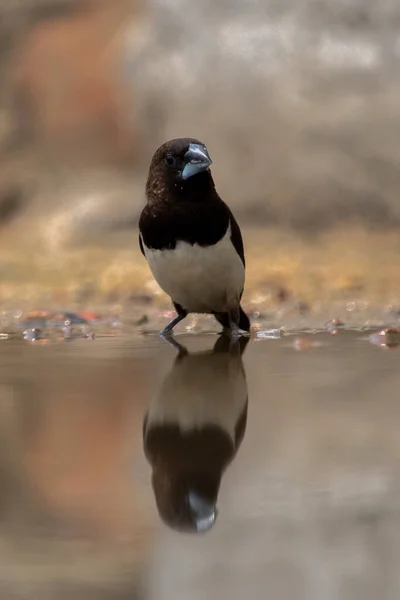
[[182, 313], [233, 323], [168, 328]]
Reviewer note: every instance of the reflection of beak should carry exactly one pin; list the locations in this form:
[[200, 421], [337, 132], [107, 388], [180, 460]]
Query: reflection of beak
[[196, 159], [204, 512]]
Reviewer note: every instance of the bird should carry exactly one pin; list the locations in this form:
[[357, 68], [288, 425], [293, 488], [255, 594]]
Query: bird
[[192, 431], [190, 238]]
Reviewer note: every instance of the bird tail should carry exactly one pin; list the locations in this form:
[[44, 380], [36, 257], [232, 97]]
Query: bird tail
[[244, 321]]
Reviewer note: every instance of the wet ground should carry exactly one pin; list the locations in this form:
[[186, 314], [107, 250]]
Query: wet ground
[[276, 466], [319, 270]]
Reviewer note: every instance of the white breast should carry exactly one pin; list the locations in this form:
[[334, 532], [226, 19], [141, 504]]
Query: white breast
[[200, 279], [199, 391]]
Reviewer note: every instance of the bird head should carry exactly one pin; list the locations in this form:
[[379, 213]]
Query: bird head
[[182, 163]]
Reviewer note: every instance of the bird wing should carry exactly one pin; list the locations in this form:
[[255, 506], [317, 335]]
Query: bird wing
[[141, 245], [236, 238]]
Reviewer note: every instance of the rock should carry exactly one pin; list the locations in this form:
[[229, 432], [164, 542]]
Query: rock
[[32, 335], [334, 326], [386, 338]]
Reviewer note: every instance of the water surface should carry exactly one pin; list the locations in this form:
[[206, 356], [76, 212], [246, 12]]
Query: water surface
[[300, 448]]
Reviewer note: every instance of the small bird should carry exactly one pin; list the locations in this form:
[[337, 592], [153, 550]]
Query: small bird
[[190, 238], [193, 429]]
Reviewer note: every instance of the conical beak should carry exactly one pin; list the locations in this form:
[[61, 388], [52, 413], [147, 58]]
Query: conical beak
[[196, 160]]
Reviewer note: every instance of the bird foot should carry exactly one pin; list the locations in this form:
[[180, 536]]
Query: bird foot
[[167, 331], [234, 332]]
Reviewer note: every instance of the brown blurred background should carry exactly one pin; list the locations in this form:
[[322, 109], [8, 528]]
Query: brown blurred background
[[297, 102]]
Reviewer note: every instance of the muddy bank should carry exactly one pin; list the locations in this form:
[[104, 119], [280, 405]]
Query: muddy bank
[[349, 274]]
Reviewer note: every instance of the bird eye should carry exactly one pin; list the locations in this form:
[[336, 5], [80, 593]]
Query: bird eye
[[169, 160]]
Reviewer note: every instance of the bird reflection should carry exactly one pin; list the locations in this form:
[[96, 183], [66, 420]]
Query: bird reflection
[[192, 431]]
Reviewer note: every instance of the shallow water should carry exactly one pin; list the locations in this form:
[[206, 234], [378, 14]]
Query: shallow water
[[308, 504]]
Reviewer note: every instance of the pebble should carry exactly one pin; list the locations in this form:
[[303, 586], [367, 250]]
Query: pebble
[[32, 335], [334, 326], [387, 338], [269, 334]]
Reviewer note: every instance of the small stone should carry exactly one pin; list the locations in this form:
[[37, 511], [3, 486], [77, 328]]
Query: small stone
[[32, 335], [386, 338], [334, 326], [67, 331], [269, 334]]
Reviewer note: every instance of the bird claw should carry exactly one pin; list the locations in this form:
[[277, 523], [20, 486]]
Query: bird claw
[[166, 332], [234, 332]]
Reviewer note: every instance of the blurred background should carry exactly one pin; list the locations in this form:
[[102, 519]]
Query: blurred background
[[297, 102]]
